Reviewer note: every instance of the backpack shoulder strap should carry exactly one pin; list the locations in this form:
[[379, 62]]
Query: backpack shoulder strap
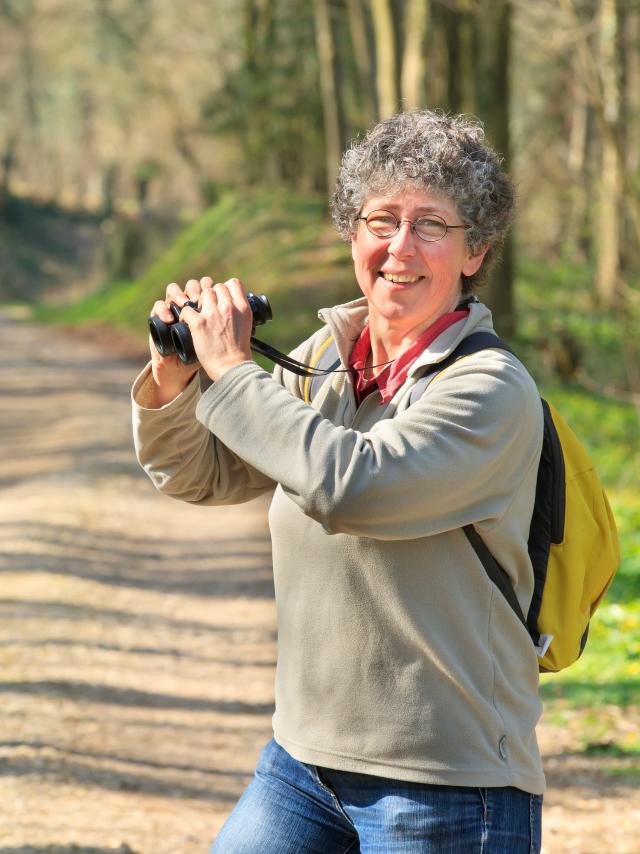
[[495, 572], [473, 343], [326, 359]]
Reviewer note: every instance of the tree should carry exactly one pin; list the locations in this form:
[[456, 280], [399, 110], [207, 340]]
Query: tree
[[21, 113], [267, 105], [459, 23], [362, 50], [331, 89], [492, 97], [414, 62], [387, 82], [608, 230]]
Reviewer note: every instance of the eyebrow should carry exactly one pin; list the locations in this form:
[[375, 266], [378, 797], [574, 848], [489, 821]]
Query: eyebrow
[[419, 211]]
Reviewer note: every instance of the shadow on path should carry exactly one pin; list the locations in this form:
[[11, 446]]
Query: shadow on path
[[66, 849], [110, 695], [198, 566]]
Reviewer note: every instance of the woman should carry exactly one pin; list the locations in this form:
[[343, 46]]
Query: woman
[[406, 687]]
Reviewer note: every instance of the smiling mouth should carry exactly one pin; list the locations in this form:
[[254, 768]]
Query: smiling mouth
[[400, 280]]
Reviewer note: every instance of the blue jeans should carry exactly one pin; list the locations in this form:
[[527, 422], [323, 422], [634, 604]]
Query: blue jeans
[[293, 808]]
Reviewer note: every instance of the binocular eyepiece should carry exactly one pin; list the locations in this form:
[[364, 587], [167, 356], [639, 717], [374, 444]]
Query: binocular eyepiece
[[175, 337]]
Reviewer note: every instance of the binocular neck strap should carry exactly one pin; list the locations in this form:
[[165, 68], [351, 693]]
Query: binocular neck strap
[[296, 367], [285, 361], [303, 370]]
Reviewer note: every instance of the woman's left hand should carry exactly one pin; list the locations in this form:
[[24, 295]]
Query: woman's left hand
[[222, 328]]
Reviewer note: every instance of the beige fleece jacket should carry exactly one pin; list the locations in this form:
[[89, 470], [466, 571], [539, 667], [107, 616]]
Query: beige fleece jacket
[[397, 656]]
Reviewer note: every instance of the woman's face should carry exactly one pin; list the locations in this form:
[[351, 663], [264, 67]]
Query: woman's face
[[408, 282]]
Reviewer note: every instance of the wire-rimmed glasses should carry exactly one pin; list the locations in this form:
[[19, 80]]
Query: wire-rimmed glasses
[[385, 224]]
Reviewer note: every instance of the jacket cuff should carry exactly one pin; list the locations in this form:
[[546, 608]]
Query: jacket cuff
[[142, 391]]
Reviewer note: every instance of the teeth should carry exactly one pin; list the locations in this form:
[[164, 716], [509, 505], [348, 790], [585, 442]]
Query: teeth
[[391, 277]]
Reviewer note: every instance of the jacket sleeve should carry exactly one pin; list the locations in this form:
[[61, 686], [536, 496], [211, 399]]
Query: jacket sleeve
[[456, 456], [182, 457]]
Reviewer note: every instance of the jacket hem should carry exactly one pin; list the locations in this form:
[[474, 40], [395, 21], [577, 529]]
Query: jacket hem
[[486, 777]]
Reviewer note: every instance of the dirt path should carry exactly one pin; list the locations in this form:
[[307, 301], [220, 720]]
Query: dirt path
[[137, 636]]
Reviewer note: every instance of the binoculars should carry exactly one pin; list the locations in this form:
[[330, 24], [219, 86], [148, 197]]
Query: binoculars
[[175, 337]]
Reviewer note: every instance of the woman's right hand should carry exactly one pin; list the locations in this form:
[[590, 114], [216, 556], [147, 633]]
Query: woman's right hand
[[171, 376]]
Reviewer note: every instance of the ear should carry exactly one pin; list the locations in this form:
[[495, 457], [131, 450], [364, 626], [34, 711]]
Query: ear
[[474, 262], [353, 239]]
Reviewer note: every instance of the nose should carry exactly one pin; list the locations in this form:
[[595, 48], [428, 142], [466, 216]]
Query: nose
[[402, 244]]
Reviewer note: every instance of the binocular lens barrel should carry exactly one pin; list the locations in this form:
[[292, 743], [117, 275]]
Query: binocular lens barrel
[[161, 332], [175, 337], [183, 343]]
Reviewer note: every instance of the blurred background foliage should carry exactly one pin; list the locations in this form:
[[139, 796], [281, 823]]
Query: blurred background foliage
[[143, 142]]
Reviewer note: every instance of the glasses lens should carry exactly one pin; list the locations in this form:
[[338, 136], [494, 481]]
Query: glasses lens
[[382, 223], [430, 228]]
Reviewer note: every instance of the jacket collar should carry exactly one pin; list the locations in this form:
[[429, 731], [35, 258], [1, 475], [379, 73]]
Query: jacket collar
[[347, 321]]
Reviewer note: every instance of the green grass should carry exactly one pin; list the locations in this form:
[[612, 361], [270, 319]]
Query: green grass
[[285, 246]]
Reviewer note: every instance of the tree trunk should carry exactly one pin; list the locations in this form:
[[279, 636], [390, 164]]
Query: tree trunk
[[576, 217], [451, 23], [330, 89], [414, 59], [362, 51], [629, 52], [387, 82], [608, 266], [492, 107], [258, 35]]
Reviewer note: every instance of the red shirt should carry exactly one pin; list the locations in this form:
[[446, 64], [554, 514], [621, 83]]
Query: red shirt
[[392, 376]]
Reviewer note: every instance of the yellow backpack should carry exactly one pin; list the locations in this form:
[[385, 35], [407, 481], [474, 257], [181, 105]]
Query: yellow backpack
[[573, 546], [573, 541], [583, 553]]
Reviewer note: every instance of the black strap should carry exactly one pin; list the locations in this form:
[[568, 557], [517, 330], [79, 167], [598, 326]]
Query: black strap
[[495, 572], [286, 362], [474, 343]]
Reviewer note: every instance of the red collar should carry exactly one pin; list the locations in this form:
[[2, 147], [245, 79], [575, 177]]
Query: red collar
[[391, 377]]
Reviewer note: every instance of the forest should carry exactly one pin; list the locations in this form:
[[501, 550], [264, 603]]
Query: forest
[[144, 142], [141, 108]]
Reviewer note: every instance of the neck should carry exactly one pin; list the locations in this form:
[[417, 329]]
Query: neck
[[389, 339], [388, 343]]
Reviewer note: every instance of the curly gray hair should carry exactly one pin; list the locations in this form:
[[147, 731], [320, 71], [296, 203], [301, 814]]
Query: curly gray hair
[[437, 152]]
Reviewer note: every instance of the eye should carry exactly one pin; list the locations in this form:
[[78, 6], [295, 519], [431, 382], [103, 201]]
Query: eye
[[382, 222], [430, 227], [382, 217]]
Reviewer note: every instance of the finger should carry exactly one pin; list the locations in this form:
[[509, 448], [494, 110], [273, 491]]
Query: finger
[[208, 299], [189, 315], [206, 283], [237, 294], [161, 309], [174, 293], [193, 289], [223, 297]]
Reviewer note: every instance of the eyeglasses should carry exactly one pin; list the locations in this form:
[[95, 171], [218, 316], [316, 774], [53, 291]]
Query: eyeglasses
[[428, 228]]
